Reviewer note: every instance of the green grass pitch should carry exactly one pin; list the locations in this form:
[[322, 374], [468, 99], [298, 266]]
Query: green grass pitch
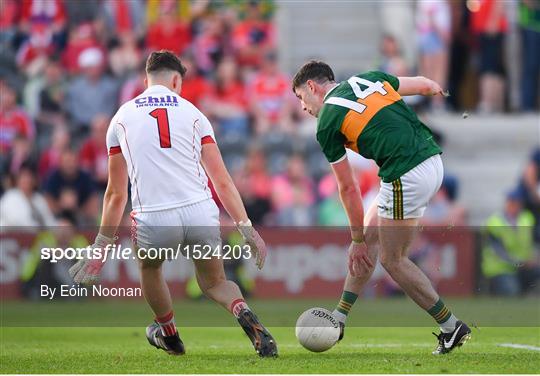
[[31, 340]]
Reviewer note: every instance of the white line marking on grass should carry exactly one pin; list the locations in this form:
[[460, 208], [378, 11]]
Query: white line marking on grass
[[369, 345], [518, 346]]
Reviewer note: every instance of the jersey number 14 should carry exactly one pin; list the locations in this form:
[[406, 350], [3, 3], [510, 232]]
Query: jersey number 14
[[355, 82]]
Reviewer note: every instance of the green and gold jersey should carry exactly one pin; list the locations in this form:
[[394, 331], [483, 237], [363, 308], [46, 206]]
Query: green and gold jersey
[[367, 115]]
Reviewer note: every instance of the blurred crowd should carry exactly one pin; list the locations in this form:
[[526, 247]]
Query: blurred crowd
[[66, 66], [486, 52]]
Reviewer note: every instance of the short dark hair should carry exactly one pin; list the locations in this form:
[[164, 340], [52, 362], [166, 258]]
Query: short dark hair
[[313, 70], [164, 60]]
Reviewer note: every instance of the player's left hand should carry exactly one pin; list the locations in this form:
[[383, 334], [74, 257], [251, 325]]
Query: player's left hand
[[359, 261], [254, 240], [436, 89], [86, 271]]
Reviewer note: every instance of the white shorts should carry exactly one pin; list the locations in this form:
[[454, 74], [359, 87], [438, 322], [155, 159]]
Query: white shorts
[[408, 196], [193, 224]]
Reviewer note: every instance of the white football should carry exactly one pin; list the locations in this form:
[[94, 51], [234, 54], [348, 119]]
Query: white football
[[317, 330]]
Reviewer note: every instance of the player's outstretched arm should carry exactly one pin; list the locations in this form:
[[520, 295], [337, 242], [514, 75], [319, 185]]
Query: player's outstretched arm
[[86, 271], [418, 86], [231, 200]]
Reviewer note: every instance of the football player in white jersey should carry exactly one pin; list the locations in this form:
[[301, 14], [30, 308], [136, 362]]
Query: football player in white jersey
[[165, 145]]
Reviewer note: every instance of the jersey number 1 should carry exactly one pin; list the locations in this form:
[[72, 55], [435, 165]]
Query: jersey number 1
[[160, 114]]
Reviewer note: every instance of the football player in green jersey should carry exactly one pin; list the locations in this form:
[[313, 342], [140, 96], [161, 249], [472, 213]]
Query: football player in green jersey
[[367, 115]]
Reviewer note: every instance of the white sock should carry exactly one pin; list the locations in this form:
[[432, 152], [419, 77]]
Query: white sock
[[449, 325], [339, 316]]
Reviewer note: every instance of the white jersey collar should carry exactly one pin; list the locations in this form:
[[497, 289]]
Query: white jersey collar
[[157, 89]]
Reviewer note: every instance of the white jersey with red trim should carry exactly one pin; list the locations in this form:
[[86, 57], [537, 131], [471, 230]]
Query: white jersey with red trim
[[160, 135]]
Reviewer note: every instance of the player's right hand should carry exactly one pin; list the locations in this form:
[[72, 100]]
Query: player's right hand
[[254, 240], [86, 271], [359, 261]]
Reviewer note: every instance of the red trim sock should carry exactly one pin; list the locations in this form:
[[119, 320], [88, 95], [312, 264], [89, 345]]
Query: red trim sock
[[237, 306], [167, 324]]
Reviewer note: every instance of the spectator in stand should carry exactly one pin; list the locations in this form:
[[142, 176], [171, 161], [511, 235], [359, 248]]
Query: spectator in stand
[[51, 96], [22, 206], [92, 93], [433, 29], [292, 195], [42, 25], [9, 13], [71, 188], [270, 98], [50, 157], [490, 24], [168, 32], [125, 56], [209, 46], [14, 122], [93, 155], [460, 48], [124, 16], [444, 210], [509, 259], [50, 13], [254, 184], [195, 88], [228, 102], [530, 186], [253, 36], [529, 21], [392, 60], [81, 37]]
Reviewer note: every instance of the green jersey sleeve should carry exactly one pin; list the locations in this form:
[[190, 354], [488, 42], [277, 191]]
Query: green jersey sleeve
[[331, 140], [382, 76], [332, 143]]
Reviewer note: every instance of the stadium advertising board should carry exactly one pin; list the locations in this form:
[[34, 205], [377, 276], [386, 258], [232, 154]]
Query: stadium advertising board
[[302, 262]]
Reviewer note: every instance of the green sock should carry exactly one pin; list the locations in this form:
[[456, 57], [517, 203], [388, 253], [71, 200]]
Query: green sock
[[346, 302], [440, 312]]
